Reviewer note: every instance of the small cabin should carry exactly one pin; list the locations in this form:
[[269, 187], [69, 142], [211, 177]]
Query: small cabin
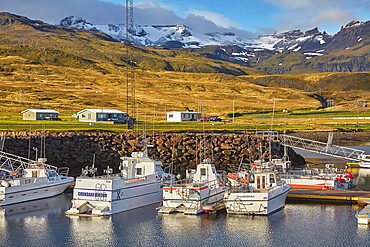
[[102, 115], [205, 172], [140, 165], [180, 116], [263, 180], [39, 114]]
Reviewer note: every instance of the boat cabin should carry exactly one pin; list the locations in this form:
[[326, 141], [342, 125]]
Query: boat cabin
[[205, 172], [140, 165], [263, 180], [364, 157]]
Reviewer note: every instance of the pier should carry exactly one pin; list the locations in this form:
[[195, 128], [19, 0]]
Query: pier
[[329, 196], [363, 217]]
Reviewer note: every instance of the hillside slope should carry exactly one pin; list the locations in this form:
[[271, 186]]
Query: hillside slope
[[63, 68]]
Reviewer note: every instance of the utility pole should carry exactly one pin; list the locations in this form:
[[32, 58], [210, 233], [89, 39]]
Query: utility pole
[[130, 78], [233, 111]]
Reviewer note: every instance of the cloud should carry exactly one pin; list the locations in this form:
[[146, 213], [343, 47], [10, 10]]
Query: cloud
[[100, 12], [310, 13], [217, 19]]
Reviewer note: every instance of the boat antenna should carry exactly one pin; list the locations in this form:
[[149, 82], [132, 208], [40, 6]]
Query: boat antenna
[[153, 122], [171, 170], [196, 150], [249, 152], [272, 124], [44, 141], [29, 142], [241, 161]]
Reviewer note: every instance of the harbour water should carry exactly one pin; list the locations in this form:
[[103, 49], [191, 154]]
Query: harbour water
[[43, 223]]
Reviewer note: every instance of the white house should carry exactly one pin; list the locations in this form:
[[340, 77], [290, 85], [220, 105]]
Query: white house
[[40, 114], [179, 116], [99, 115]]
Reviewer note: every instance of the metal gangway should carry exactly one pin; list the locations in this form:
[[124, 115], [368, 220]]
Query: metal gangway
[[12, 163], [313, 146]]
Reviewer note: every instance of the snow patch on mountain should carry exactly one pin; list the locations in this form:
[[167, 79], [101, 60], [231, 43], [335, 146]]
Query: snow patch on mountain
[[181, 36]]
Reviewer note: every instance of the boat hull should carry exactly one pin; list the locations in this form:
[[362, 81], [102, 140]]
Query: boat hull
[[259, 203], [190, 200], [365, 165], [30, 192], [310, 183], [117, 196]]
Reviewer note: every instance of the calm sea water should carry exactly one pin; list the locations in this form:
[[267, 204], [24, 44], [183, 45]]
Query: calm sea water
[[295, 225], [43, 223]]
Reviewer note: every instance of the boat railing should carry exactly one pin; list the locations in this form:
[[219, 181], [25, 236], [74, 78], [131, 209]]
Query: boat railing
[[192, 183], [64, 171]]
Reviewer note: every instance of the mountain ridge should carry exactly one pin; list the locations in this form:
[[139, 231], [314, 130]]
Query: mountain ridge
[[181, 36]]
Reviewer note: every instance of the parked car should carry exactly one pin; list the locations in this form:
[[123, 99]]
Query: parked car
[[55, 119], [203, 119], [215, 119]]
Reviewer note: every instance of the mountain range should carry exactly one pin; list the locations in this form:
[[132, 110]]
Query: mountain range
[[285, 52], [181, 36]]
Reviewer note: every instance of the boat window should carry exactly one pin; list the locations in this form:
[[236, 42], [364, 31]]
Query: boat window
[[263, 182], [277, 177], [203, 171], [252, 179], [138, 171], [158, 169], [52, 174], [34, 174], [258, 182], [272, 178]]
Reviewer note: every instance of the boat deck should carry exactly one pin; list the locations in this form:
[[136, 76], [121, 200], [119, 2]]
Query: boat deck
[[329, 196]]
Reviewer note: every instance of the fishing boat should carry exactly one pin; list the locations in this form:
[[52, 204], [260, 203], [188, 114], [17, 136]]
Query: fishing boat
[[139, 183], [313, 178], [258, 192], [365, 161], [202, 188], [23, 180]]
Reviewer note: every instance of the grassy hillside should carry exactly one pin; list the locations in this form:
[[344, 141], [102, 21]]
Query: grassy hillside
[[62, 68]]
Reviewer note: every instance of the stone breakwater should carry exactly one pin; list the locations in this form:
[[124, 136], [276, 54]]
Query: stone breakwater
[[76, 150]]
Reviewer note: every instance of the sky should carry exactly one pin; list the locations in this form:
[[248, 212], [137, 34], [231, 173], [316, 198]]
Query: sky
[[244, 17]]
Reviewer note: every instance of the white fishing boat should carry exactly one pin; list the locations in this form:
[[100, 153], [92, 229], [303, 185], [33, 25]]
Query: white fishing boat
[[365, 163], [313, 178], [138, 184], [260, 192], [202, 187], [26, 180]]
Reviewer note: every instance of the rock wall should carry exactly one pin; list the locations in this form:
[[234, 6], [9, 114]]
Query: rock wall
[[76, 150]]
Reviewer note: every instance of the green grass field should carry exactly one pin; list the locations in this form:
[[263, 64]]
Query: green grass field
[[297, 120]]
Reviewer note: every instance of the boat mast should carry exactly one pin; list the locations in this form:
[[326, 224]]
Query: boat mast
[[272, 123]]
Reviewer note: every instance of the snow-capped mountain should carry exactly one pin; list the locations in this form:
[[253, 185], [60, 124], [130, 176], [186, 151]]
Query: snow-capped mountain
[[172, 36], [181, 36]]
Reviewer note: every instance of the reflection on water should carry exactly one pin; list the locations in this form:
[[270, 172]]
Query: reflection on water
[[29, 223], [92, 231], [296, 225]]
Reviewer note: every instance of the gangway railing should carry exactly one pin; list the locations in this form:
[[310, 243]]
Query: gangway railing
[[11, 163], [313, 146], [321, 147]]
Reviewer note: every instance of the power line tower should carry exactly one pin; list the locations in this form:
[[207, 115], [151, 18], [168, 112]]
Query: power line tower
[[130, 76]]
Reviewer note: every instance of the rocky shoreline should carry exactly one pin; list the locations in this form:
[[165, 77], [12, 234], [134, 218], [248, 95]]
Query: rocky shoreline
[[76, 150]]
